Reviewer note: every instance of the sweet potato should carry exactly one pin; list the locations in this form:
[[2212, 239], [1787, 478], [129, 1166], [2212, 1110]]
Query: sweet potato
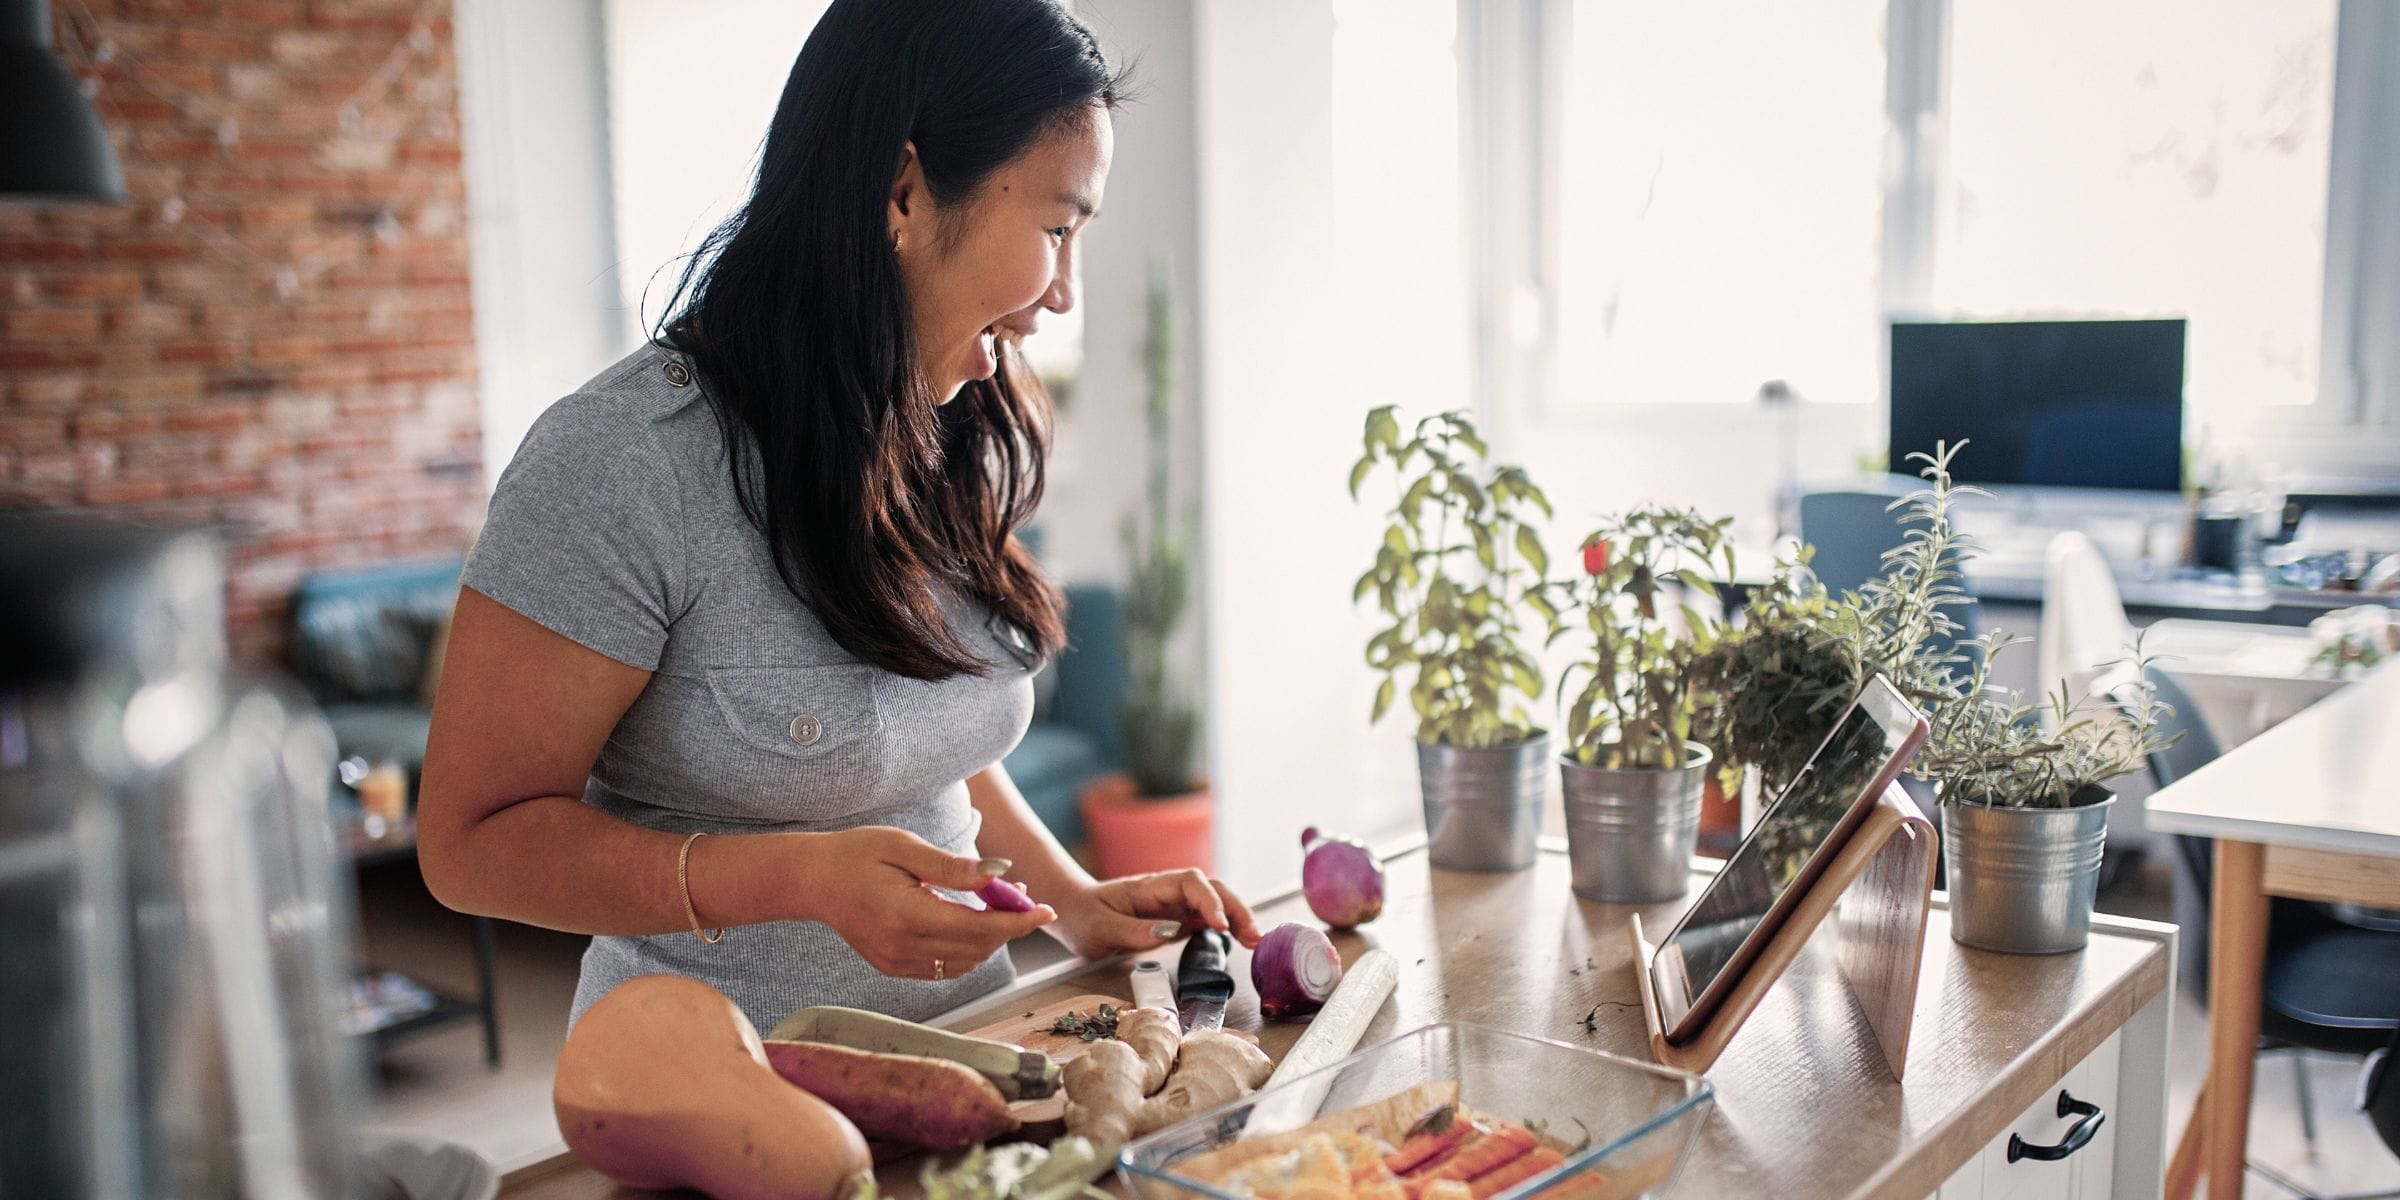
[[928, 1102], [663, 1084]]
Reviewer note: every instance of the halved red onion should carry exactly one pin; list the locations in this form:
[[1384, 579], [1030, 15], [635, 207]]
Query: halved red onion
[[1294, 969], [1003, 896], [1341, 878]]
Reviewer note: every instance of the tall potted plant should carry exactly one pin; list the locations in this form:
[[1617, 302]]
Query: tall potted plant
[[1457, 565], [1158, 814], [1632, 776]]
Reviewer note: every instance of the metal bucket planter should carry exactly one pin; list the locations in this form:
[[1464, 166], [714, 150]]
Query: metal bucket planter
[[2022, 880], [1631, 832], [1483, 805]]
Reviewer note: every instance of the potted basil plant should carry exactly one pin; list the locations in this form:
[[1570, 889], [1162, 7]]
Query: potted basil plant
[[1457, 566], [1632, 775]]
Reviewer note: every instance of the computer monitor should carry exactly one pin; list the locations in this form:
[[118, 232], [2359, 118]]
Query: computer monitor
[[2080, 404]]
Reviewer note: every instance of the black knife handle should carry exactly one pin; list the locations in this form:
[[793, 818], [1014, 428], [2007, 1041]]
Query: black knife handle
[[1201, 975]]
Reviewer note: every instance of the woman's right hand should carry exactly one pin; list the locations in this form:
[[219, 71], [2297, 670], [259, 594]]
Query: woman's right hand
[[874, 886]]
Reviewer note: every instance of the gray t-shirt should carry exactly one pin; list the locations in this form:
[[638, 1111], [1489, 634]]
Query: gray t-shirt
[[616, 525]]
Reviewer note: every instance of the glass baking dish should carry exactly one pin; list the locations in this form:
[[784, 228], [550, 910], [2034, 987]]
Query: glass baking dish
[[1633, 1120]]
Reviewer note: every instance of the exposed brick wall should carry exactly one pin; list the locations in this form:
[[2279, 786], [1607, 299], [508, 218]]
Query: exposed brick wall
[[273, 332]]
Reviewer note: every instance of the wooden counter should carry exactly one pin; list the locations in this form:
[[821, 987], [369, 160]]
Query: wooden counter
[[1805, 1106]]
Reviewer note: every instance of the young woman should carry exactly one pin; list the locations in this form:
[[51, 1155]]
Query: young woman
[[748, 632]]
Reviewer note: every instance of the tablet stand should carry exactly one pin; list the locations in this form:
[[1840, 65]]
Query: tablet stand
[[1883, 875]]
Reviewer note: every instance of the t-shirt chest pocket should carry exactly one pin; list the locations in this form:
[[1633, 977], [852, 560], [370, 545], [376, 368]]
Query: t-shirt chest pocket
[[821, 729]]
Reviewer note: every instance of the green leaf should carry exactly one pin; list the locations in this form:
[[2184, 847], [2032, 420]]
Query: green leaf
[[1383, 700], [1530, 546], [1358, 475], [1483, 546]]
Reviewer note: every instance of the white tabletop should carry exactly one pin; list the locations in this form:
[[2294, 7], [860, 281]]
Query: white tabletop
[[2328, 779]]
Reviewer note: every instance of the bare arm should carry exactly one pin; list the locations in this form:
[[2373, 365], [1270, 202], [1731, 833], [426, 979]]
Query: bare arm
[[502, 829]]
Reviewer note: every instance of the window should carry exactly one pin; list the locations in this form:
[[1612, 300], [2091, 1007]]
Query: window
[[1720, 212], [1736, 201], [2170, 159]]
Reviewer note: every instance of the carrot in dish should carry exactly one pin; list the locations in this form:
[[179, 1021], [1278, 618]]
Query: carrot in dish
[[1490, 1152], [1526, 1166], [1436, 1135]]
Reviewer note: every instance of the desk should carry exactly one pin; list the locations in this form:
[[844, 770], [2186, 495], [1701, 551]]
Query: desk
[[2303, 811], [1805, 1105], [2247, 679]]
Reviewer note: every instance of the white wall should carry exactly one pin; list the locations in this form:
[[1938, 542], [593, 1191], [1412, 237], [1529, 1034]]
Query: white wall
[[1151, 214], [1289, 688], [533, 101], [692, 88]]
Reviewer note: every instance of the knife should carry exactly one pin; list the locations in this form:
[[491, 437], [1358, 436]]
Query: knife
[[1201, 984], [1150, 987]]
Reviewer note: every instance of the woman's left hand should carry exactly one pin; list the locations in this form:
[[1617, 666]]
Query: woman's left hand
[[1143, 912]]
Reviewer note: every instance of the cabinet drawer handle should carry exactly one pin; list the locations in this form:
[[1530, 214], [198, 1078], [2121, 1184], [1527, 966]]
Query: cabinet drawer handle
[[2077, 1137]]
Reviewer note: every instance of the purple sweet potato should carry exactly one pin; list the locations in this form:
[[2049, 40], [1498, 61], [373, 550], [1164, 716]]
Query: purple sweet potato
[[928, 1102]]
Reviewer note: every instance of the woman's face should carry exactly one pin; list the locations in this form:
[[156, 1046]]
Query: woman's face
[[987, 270]]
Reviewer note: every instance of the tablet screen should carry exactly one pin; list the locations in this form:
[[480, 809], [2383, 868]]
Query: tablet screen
[[1856, 761]]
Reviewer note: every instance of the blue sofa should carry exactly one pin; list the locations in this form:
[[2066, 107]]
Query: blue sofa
[[1077, 734], [361, 641]]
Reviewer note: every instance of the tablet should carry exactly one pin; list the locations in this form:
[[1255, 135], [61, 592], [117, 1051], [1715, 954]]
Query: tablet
[[1722, 933]]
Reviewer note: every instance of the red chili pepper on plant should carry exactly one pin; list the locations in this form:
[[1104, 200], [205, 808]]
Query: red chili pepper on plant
[[1595, 556]]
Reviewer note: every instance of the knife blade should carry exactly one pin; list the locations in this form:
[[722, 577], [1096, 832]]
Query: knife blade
[[1202, 985]]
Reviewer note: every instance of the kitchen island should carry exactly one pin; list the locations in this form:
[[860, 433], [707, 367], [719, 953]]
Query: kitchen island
[[1805, 1105]]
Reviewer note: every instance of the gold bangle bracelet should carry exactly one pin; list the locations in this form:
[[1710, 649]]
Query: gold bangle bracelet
[[683, 880]]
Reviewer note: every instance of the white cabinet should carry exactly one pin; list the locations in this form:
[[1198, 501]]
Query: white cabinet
[[2085, 1174]]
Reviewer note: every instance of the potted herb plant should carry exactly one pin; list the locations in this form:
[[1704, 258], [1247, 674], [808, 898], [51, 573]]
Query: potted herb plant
[[1157, 814], [1632, 776], [1768, 691], [1457, 566], [2024, 812]]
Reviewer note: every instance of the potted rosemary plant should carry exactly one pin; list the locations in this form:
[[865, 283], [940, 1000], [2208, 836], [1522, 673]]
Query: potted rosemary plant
[[2024, 812], [1157, 814], [1457, 564], [1632, 775]]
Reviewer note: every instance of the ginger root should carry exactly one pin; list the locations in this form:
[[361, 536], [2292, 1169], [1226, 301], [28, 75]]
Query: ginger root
[[1153, 1035], [1215, 1068], [1105, 1084], [1104, 1092]]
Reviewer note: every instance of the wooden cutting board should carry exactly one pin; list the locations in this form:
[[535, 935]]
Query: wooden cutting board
[[1030, 1028]]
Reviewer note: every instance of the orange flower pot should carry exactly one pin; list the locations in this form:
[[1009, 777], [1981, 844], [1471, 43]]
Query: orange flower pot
[[1132, 834]]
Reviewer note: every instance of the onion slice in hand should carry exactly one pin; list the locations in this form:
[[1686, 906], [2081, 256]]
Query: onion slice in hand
[[1341, 879], [1003, 896], [1294, 969]]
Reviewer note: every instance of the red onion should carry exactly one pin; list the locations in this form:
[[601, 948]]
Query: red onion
[[1294, 969], [1004, 896], [1340, 877]]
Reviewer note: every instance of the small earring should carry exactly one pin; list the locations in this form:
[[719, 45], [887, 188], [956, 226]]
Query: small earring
[[895, 243]]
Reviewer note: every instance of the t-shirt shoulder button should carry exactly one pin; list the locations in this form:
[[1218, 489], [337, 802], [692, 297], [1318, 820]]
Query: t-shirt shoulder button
[[678, 375]]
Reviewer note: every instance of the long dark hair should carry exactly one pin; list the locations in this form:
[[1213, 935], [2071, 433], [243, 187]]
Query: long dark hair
[[872, 496]]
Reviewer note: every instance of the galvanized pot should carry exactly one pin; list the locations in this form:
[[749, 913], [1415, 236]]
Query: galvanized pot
[[2022, 880], [1483, 805], [1631, 832]]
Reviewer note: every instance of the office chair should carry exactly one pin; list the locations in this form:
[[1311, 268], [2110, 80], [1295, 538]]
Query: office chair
[[2329, 985]]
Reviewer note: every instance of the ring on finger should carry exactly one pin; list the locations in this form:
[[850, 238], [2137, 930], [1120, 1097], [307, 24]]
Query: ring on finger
[[938, 972]]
